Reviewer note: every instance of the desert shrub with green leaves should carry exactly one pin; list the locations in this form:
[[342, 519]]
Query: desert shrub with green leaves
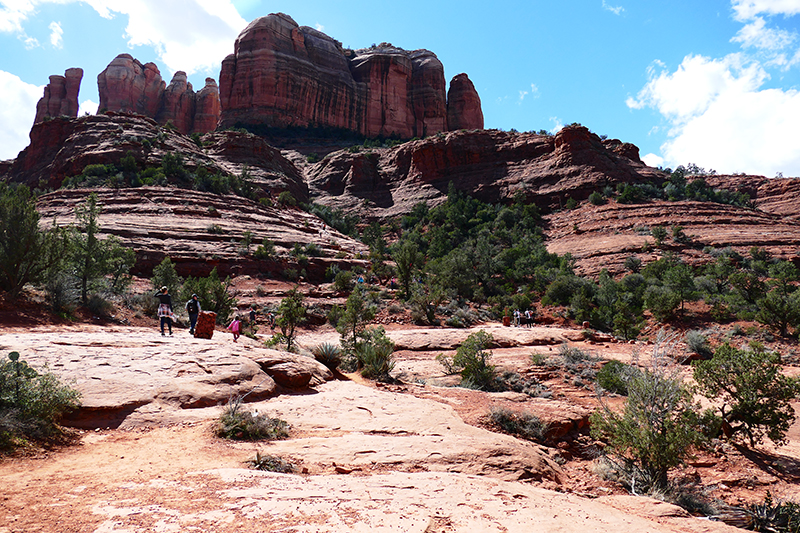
[[472, 362], [271, 463], [521, 424], [31, 403], [328, 354], [237, 423], [615, 376]]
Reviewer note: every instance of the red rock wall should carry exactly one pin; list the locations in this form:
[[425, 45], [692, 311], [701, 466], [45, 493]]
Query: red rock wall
[[60, 96], [178, 104], [282, 74], [207, 107]]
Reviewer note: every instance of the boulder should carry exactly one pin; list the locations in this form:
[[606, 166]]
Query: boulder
[[60, 96], [291, 370], [206, 321]]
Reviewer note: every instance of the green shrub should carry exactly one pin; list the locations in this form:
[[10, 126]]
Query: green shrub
[[615, 376], [781, 517], [328, 354], [31, 403], [521, 424], [237, 423], [271, 463], [596, 198], [698, 343], [374, 352], [472, 362]]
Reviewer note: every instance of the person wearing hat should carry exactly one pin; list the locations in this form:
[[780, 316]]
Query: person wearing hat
[[193, 308], [164, 309]]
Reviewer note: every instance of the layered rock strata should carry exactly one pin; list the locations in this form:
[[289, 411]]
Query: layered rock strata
[[284, 75], [60, 96], [127, 85]]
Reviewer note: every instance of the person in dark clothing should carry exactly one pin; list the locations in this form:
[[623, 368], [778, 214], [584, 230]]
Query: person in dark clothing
[[252, 316], [164, 309], [193, 308]]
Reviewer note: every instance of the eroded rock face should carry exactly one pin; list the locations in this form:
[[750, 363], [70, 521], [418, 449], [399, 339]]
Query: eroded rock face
[[463, 105], [60, 96], [489, 164], [128, 86], [282, 74]]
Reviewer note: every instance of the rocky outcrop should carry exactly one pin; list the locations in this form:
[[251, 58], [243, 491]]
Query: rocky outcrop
[[60, 96], [62, 147], [463, 105], [128, 86], [489, 164], [282, 75], [207, 107]]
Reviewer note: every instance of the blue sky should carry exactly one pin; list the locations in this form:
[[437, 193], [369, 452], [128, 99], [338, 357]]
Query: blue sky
[[711, 82]]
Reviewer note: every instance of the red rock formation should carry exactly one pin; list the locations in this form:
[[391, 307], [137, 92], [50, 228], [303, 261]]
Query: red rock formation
[[179, 104], [207, 107], [463, 105], [127, 85], [60, 96], [489, 164], [282, 74]]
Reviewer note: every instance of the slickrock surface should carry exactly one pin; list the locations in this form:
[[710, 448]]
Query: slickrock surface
[[368, 459]]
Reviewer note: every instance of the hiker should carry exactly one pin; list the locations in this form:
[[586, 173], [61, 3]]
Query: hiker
[[528, 318], [252, 316], [193, 308], [235, 327], [164, 309], [516, 317]]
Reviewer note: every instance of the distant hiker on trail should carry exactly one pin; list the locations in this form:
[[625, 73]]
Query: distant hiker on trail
[[193, 308], [164, 309], [235, 327], [252, 316]]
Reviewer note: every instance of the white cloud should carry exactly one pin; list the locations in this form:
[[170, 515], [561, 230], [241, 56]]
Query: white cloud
[[87, 106], [534, 92], [745, 10], [191, 35], [653, 160], [557, 124], [721, 118], [319, 27], [757, 35], [16, 113], [56, 35], [617, 10]]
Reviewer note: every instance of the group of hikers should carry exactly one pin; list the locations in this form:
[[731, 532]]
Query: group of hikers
[[193, 309], [523, 318]]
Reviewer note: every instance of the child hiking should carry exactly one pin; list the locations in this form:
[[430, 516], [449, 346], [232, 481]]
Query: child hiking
[[235, 327]]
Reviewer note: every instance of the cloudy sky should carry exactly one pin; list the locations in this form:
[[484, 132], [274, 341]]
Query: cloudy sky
[[711, 82]]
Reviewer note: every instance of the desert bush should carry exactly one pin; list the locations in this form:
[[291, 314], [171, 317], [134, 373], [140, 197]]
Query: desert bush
[[697, 343], [237, 423], [658, 424], [472, 362], [31, 403], [615, 376], [522, 424], [373, 351], [328, 354], [754, 397], [271, 463], [574, 358], [99, 306], [769, 515], [513, 381]]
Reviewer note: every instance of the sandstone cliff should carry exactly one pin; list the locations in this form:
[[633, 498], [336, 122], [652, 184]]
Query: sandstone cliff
[[282, 74], [128, 86], [60, 96], [463, 105], [489, 164]]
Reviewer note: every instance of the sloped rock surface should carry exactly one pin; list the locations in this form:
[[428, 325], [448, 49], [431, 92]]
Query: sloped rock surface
[[201, 231], [130, 375], [63, 147], [604, 236]]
